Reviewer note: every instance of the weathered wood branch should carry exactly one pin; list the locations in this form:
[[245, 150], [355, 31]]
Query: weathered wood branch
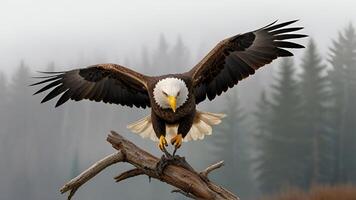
[[129, 174], [212, 167], [187, 181]]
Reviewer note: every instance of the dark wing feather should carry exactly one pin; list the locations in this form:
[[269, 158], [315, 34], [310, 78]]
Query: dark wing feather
[[237, 57], [109, 83]]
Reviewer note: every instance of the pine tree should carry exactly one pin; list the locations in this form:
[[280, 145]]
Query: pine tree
[[262, 114], [3, 118], [180, 56], [75, 164], [343, 85], [161, 61], [3, 102], [22, 135], [231, 145], [3, 84], [48, 141], [314, 99], [281, 158], [145, 61], [20, 96]]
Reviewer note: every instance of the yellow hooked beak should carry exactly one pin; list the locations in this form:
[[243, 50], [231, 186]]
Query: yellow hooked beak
[[172, 100]]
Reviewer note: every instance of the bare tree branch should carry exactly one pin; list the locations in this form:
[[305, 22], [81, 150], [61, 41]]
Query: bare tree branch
[[92, 171], [180, 175], [212, 167], [129, 174]]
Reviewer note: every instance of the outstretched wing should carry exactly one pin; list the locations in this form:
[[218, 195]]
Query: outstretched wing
[[237, 57], [109, 83]]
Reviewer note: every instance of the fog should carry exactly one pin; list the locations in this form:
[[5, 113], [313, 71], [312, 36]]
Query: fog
[[41, 147], [62, 31]]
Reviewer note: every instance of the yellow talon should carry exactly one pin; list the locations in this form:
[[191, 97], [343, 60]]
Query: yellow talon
[[162, 142], [177, 140]]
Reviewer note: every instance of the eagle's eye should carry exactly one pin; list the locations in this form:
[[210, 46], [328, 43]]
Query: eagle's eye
[[178, 93], [165, 94]]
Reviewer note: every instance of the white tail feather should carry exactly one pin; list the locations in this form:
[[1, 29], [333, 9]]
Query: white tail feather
[[202, 126]]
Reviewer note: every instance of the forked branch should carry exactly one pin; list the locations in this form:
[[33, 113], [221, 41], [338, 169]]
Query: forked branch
[[185, 179]]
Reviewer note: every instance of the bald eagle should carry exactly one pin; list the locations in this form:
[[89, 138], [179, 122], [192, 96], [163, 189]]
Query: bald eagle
[[173, 97]]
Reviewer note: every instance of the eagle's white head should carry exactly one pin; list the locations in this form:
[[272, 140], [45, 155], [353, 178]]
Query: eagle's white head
[[170, 93]]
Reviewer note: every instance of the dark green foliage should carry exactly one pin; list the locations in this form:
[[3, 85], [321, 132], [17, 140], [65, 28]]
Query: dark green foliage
[[18, 111], [281, 145], [180, 56], [343, 87], [3, 101], [160, 58], [75, 171], [315, 117], [3, 119], [166, 58], [263, 112], [306, 131], [230, 143], [145, 61]]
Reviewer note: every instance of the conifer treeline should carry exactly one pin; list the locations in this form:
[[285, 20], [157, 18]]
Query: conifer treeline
[[307, 122]]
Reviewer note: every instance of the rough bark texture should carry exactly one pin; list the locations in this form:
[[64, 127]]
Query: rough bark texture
[[187, 181]]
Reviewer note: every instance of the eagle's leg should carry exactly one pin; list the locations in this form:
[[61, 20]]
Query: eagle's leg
[[168, 159], [163, 163], [159, 126], [177, 142], [162, 143], [184, 127]]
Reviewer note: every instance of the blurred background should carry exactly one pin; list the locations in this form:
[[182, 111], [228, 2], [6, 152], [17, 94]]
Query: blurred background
[[290, 130]]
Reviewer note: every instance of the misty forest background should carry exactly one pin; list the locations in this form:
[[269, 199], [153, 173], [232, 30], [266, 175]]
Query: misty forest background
[[293, 124]]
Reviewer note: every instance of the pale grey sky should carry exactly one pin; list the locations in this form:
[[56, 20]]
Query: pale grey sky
[[40, 31]]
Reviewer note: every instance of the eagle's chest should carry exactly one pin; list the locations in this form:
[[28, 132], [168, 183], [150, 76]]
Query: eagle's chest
[[173, 117]]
